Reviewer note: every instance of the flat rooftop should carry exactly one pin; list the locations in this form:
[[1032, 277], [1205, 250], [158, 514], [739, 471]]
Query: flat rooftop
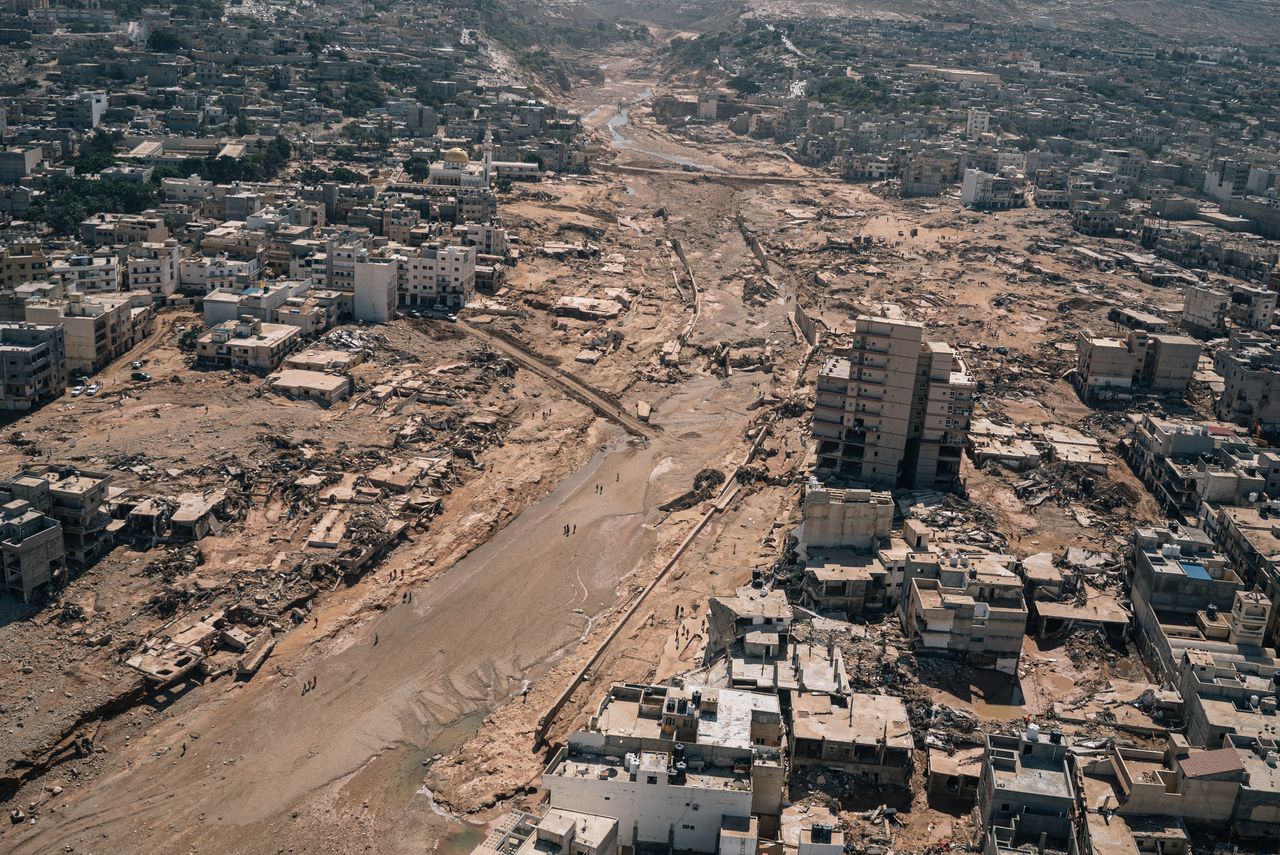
[[604, 767], [867, 720]]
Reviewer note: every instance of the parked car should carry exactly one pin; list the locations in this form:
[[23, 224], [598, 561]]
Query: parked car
[[140, 375], [77, 391], [137, 363], [93, 389]]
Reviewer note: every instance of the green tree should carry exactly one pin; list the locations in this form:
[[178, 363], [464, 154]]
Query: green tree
[[418, 168], [97, 152], [165, 41], [67, 201]]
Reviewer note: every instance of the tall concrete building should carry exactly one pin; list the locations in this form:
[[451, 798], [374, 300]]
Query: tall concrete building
[[33, 364], [894, 410]]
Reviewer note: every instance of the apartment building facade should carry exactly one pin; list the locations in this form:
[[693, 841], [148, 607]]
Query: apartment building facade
[[895, 410]]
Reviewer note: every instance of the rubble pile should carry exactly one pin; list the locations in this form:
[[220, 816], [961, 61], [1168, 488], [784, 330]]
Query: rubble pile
[[1068, 483], [704, 484]]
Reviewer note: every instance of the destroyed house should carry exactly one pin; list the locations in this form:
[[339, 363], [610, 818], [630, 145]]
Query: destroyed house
[[74, 498], [844, 582], [751, 610], [867, 736], [974, 610], [1027, 793]]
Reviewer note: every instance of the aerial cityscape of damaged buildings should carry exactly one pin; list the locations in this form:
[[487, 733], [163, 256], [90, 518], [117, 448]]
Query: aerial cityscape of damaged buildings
[[276, 198]]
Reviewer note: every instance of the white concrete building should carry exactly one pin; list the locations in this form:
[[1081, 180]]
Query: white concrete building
[[675, 766], [374, 297], [187, 191], [88, 274], [978, 123], [153, 267], [203, 274], [442, 275]]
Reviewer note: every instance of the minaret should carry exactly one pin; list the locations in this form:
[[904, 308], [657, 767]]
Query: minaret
[[488, 156]]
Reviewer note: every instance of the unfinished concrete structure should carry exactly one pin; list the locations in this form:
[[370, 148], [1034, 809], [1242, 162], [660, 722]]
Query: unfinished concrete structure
[[894, 410], [1027, 793], [31, 553]]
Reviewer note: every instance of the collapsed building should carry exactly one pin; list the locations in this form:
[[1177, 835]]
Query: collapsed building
[[53, 523]]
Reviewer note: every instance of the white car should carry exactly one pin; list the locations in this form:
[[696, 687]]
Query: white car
[[77, 391], [93, 390]]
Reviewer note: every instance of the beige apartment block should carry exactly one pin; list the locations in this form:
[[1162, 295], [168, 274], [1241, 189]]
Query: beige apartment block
[[893, 411]]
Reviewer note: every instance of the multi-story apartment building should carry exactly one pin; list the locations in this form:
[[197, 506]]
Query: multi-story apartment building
[[99, 273], [72, 497], [1186, 463], [32, 558], [1027, 792], [97, 329], [973, 609], [110, 229], [895, 410], [33, 364], [437, 275], [153, 267], [22, 262], [247, 344], [673, 765], [202, 274], [1250, 369]]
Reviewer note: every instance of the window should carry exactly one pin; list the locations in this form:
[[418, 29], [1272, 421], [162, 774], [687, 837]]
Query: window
[[653, 779]]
